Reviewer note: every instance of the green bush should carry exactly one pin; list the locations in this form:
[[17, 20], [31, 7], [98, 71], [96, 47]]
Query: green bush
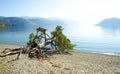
[[31, 38], [61, 40]]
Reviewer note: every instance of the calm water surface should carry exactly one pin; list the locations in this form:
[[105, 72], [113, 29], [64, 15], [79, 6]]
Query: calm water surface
[[87, 38]]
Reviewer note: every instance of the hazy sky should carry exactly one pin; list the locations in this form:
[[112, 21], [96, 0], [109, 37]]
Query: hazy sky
[[89, 11]]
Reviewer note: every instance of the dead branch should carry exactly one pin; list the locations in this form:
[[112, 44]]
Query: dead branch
[[34, 49]]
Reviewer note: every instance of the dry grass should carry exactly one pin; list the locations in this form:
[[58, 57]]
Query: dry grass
[[57, 66], [4, 68]]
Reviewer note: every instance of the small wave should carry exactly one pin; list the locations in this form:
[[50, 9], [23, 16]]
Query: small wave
[[110, 53]]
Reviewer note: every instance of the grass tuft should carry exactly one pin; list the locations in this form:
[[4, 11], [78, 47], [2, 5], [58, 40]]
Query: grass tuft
[[4, 68]]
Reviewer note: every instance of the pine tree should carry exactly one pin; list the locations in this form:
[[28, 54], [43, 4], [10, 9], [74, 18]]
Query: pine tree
[[61, 40]]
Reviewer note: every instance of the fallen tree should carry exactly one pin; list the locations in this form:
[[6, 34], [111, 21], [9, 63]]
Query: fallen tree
[[37, 43]]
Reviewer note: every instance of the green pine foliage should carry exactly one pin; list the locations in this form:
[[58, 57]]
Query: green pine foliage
[[61, 40], [31, 38]]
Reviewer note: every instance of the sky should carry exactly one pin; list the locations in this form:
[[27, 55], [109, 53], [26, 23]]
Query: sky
[[88, 11]]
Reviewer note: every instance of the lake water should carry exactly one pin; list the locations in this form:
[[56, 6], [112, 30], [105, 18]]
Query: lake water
[[87, 38]]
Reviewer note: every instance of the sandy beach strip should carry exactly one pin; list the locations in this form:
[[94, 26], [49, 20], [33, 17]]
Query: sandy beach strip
[[77, 63], [3, 46]]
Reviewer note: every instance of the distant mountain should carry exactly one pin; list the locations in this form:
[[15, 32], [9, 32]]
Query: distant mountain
[[22, 23], [46, 23], [112, 23], [15, 23], [30, 23]]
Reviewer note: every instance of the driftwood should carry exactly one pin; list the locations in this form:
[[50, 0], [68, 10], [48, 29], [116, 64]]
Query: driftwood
[[9, 52], [35, 49]]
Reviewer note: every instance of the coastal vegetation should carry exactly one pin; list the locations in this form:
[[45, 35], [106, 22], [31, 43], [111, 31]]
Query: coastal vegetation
[[61, 40], [41, 39]]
